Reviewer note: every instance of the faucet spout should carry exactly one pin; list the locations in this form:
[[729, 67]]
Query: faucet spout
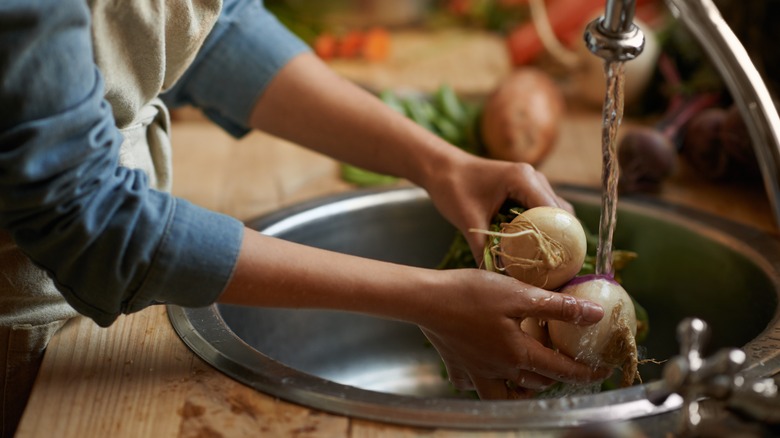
[[614, 36], [749, 91]]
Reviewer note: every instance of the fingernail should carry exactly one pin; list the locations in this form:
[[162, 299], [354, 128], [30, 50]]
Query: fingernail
[[592, 312]]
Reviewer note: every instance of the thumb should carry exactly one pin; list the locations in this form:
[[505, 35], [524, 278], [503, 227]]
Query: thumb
[[477, 243]]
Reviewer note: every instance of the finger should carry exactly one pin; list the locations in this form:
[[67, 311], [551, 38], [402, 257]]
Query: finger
[[559, 202], [459, 378], [537, 190], [561, 307], [491, 389], [476, 243], [518, 393], [532, 381], [566, 205], [557, 366]]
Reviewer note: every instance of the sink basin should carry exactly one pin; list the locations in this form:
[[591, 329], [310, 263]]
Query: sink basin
[[690, 264]]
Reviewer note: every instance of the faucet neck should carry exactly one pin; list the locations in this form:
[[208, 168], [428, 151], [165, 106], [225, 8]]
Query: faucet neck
[[618, 16]]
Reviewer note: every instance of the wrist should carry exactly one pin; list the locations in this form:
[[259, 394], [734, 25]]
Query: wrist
[[437, 166], [425, 297]]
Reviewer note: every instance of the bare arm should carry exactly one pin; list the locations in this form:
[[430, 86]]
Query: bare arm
[[310, 105]]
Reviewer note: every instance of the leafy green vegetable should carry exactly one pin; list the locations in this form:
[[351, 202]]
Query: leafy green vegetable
[[459, 254], [444, 113], [363, 177], [449, 104], [392, 100]]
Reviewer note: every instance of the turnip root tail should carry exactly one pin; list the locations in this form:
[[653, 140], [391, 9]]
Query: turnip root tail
[[620, 350]]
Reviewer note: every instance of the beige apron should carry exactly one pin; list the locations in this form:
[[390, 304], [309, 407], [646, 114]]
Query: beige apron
[[141, 47]]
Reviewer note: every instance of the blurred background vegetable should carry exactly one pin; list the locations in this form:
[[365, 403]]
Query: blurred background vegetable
[[444, 113], [667, 125], [648, 155], [521, 118], [717, 146], [371, 45]]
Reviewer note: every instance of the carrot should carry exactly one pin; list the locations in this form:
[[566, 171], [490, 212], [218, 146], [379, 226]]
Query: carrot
[[376, 44], [524, 42], [325, 46], [371, 45], [350, 44], [459, 7]]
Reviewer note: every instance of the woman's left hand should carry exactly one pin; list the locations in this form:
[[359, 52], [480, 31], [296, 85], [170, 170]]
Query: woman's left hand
[[470, 190]]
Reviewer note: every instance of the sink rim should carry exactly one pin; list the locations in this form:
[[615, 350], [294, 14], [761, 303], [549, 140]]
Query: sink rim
[[202, 329]]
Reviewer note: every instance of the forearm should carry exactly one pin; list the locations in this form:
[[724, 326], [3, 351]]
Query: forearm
[[311, 105], [275, 273]]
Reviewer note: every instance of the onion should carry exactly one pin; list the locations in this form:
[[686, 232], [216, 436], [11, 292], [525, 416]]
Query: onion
[[543, 246], [611, 341]]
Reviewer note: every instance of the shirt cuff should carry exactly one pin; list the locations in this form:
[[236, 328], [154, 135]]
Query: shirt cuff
[[204, 247]]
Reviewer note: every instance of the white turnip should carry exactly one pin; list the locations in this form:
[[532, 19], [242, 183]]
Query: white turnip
[[543, 246], [610, 342]]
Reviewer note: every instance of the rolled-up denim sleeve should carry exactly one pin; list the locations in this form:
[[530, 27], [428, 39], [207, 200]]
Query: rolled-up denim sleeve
[[111, 243], [244, 51]]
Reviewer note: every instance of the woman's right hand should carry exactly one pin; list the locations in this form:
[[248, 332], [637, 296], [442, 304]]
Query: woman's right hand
[[476, 330], [471, 316]]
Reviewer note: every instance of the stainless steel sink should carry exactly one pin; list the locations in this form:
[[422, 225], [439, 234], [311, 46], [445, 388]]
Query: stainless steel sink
[[690, 264]]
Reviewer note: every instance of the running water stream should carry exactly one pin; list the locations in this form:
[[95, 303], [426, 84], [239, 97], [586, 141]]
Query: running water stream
[[611, 118]]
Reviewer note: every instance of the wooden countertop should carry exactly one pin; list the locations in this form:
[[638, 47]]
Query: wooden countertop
[[137, 379]]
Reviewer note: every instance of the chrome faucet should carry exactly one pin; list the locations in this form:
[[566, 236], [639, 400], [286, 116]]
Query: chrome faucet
[[614, 37], [717, 378]]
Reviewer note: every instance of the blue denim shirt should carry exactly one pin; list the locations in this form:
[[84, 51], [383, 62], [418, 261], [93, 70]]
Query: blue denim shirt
[[111, 243]]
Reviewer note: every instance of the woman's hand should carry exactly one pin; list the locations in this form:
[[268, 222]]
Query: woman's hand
[[470, 190], [471, 316], [476, 330]]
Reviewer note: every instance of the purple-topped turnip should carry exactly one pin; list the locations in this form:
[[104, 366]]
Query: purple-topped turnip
[[608, 343]]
